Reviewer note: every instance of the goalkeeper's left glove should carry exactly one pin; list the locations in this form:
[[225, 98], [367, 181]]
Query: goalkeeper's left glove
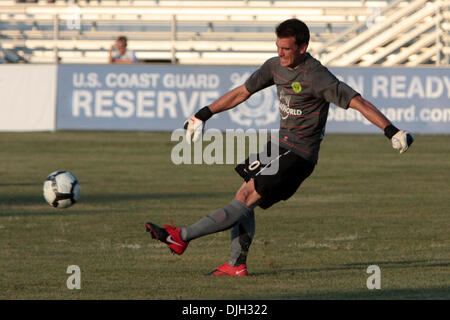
[[401, 139]]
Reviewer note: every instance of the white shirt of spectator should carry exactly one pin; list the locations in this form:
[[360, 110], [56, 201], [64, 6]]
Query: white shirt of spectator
[[128, 55]]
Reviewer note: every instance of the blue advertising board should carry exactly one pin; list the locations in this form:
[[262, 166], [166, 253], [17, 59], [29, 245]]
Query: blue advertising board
[[415, 99], [159, 97]]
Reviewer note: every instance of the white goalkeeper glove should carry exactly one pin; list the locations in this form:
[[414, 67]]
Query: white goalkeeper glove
[[402, 140], [194, 129], [195, 124]]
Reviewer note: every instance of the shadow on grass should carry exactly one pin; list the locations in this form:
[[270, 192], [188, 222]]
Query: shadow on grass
[[20, 184], [402, 264], [363, 266], [24, 205]]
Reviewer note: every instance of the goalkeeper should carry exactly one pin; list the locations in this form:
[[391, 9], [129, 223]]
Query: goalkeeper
[[305, 90]]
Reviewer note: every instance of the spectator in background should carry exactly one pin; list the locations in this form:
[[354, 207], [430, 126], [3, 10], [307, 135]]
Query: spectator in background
[[120, 54]]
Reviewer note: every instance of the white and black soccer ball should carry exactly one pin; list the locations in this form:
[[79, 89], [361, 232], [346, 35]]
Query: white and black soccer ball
[[61, 189]]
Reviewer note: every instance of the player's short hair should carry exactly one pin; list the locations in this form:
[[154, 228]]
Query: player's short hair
[[293, 28]]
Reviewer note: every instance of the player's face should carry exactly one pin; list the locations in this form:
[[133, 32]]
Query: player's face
[[121, 47], [289, 52]]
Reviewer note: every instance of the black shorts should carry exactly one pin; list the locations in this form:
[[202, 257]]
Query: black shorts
[[280, 184]]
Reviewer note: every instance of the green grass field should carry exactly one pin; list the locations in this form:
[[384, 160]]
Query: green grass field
[[364, 205]]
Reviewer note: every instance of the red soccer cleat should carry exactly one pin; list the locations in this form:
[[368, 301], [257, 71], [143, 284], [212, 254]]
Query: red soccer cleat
[[169, 235], [227, 270]]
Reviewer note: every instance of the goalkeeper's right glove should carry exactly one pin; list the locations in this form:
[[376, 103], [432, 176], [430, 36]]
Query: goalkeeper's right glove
[[401, 139], [195, 124]]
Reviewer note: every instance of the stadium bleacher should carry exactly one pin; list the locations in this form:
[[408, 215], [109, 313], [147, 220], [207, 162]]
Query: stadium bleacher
[[224, 32]]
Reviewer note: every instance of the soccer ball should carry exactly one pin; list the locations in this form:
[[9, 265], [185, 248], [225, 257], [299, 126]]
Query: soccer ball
[[61, 189]]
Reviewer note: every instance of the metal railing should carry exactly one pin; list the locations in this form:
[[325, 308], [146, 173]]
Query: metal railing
[[401, 34], [349, 33]]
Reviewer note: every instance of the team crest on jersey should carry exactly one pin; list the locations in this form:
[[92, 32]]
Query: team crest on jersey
[[296, 86], [260, 109]]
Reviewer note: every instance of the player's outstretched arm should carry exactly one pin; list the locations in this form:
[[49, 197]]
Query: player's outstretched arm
[[401, 139], [195, 124], [230, 99]]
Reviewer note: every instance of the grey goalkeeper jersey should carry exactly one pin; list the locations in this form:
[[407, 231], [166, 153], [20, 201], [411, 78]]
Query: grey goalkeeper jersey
[[305, 93]]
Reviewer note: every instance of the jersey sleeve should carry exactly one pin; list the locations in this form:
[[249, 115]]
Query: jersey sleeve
[[328, 87], [133, 56], [261, 78]]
